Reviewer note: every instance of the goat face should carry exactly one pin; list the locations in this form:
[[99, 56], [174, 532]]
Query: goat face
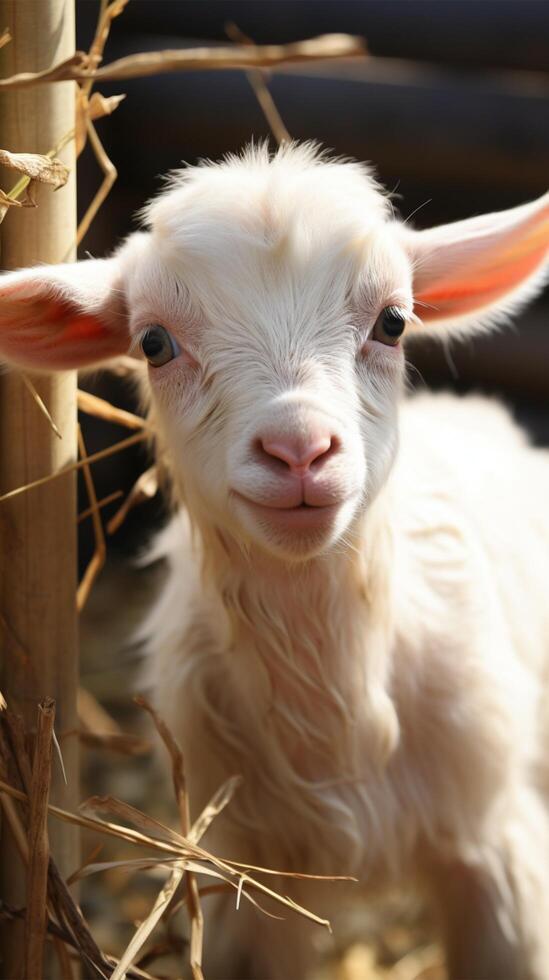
[[269, 296], [275, 392]]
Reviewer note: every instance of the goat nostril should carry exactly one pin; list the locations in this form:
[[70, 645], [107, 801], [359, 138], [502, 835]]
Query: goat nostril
[[274, 452], [264, 454], [325, 453], [296, 454]]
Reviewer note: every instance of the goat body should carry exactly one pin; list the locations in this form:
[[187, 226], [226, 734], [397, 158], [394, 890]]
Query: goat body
[[355, 618], [443, 782]]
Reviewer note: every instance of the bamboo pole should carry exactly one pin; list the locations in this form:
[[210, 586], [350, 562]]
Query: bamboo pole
[[38, 654]]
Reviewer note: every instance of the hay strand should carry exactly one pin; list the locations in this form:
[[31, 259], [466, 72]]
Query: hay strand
[[104, 502], [144, 488], [101, 409], [102, 454], [110, 174], [258, 81], [325, 47], [98, 559], [182, 798], [34, 394]]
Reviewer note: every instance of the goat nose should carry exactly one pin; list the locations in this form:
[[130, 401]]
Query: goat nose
[[299, 453]]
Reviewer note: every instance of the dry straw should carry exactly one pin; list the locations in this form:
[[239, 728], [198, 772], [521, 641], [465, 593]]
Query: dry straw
[[77, 68], [177, 853]]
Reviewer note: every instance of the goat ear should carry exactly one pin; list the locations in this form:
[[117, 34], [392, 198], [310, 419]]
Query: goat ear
[[468, 274], [63, 316]]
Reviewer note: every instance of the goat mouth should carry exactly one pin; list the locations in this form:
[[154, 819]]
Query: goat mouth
[[302, 517]]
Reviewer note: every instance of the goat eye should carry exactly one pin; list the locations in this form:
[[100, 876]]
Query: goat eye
[[389, 326], [158, 345]]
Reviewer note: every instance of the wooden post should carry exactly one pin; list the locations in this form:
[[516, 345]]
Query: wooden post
[[39, 652]]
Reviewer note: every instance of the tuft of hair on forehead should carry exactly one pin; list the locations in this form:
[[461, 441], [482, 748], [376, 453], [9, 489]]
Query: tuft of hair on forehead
[[266, 199]]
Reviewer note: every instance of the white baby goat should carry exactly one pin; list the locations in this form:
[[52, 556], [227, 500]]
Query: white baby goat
[[362, 633]]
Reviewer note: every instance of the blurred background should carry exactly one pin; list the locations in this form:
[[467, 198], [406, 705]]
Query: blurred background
[[451, 106]]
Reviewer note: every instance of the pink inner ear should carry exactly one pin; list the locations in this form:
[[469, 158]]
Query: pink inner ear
[[54, 334], [457, 297], [470, 266]]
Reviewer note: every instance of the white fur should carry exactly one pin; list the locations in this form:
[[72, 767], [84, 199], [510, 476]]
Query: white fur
[[384, 697], [380, 683]]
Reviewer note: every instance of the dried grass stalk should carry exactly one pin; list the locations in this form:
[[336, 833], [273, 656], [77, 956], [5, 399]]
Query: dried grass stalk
[[103, 964], [8, 724], [144, 488], [107, 13], [37, 871], [104, 502], [100, 826], [102, 454], [7, 202], [327, 47], [11, 200], [212, 810], [60, 901], [182, 798], [143, 931], [24, 185], [93, 715], [198, 859], [123, 742], [101, 409], [93, 108], [110, 172], [176, 758], [37, 167], [100, 730], [34, 394], [88, 109], [47, 168], [98, 559], [70, 915], [103, 105], [57, 73], [258, 82], [110, 806]]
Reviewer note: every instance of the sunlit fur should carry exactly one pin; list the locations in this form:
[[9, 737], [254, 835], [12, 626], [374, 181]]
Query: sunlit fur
[[379, 683], [382, 699]]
